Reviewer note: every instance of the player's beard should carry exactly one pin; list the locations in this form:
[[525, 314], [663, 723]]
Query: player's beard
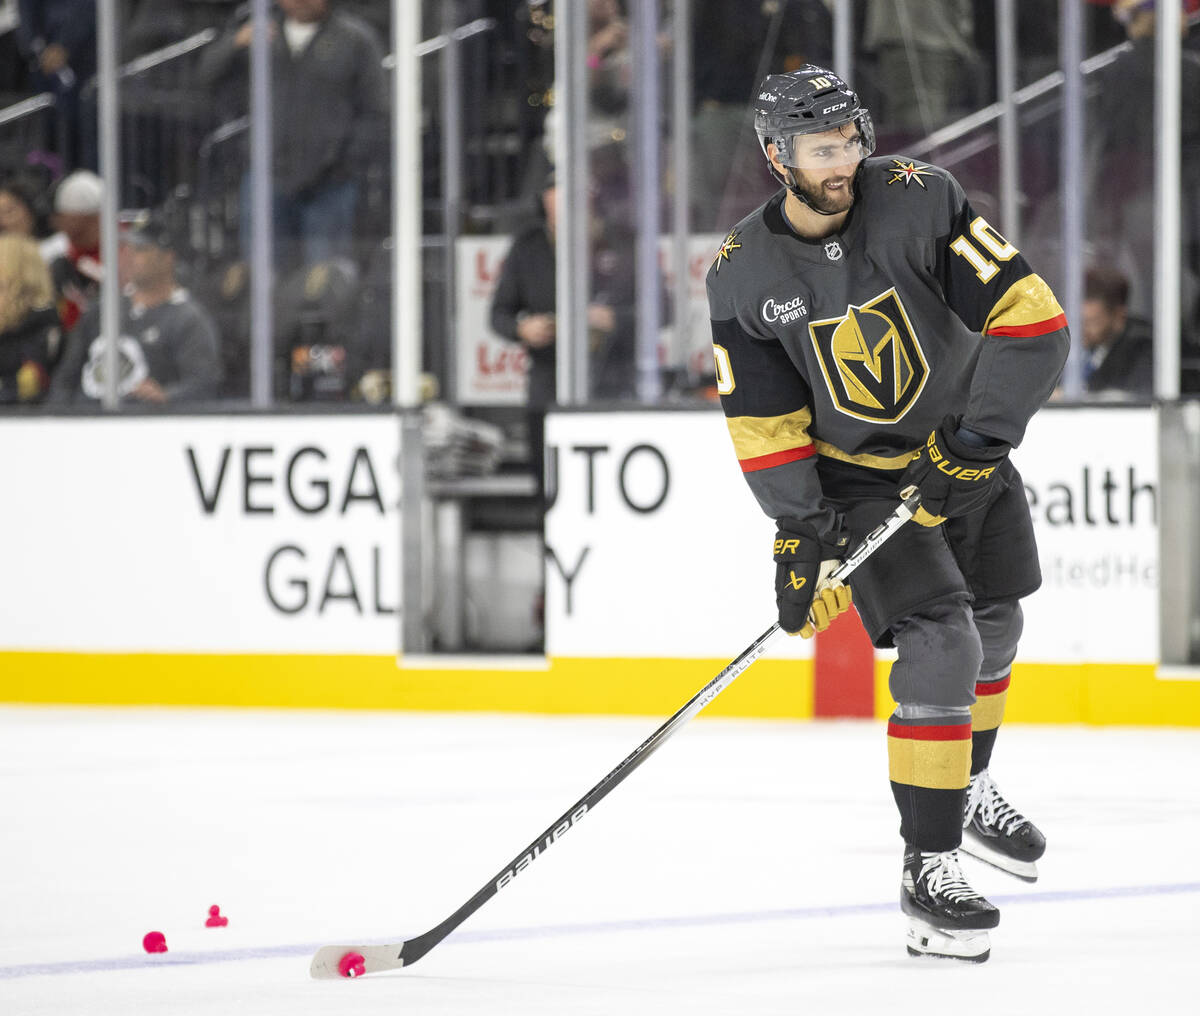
[[823, 200]]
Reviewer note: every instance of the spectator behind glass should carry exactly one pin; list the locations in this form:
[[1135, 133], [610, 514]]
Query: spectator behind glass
[[610, 70], [330, 106], [29, 325], [167, 351], [73, 253], [925, 63], [1119, 361], [23, 212], [732, 45], [610, 75], [58, 38], [18, 213], [523, 310], [151, 24], [1121, 146]]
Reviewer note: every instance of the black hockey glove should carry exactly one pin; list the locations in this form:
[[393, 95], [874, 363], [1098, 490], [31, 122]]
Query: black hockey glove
[[806, 599], [954, 478]]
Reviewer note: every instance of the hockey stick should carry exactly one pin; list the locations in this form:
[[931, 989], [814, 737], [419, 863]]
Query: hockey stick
[[354, 960]]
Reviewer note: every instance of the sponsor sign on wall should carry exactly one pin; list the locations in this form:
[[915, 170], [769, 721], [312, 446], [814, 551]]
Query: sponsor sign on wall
[[236, 534], [491, 370], [657, 547], [1091, 476]]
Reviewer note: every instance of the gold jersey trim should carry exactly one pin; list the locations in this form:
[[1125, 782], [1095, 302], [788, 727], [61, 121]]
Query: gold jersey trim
[[755, 436], [1028, 301], [889, 462]]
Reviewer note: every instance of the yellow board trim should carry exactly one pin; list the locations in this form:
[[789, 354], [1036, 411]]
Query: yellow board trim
[[641, 687], [1103, 694], [1095, 693]]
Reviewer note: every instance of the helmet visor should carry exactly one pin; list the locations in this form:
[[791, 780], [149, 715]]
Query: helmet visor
[[842, 146]]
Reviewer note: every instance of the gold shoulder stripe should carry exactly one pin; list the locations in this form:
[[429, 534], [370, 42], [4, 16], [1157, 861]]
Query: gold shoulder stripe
[[1027, 308], [756, 436]]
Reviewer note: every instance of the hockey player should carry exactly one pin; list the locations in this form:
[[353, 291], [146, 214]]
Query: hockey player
[[872, 332]]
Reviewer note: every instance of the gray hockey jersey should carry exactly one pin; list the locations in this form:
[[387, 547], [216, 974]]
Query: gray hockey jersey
[[854, 347]]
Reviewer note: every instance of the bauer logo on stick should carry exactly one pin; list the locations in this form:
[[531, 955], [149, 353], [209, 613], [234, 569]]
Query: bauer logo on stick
[[344, 961], [536, 851]]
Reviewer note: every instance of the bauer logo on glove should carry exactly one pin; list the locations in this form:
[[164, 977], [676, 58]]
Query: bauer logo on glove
[[955, 471], [796, 581], [950, 467]]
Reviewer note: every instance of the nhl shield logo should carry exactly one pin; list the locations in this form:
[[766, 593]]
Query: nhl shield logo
[[833, 250], [872, 361]]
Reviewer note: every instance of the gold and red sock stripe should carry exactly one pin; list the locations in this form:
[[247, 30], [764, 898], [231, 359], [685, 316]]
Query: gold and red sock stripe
[[990, 697], [936, 756], [929, 763]]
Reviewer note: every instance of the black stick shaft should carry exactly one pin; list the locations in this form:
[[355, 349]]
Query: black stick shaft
[[413, 949]]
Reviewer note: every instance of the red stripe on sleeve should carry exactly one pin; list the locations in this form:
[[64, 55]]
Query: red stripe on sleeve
[[957, 732], [1029, 331], [776, 458], [992, 687]]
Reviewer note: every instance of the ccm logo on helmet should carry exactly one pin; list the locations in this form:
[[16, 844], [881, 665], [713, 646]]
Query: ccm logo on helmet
[[833, 109]]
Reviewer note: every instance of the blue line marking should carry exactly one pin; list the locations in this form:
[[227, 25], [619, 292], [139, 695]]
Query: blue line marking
[[556, 930]]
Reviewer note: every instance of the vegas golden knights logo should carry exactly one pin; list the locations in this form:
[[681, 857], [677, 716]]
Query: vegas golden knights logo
[[873, 364]]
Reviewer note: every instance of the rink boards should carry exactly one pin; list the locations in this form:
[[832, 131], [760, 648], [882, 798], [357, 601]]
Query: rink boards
[[255, 560]]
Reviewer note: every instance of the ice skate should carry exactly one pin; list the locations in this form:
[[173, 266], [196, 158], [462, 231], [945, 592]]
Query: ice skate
[[947, 918], [997, 834]]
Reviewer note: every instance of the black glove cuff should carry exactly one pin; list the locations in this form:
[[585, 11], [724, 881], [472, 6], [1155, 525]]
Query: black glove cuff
[[966, 452]]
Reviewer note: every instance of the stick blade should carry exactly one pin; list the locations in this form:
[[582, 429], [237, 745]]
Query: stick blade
[[326, 961]]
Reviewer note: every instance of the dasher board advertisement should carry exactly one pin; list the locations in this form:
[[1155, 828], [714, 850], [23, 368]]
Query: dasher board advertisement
[[234, 534], [657, 549]]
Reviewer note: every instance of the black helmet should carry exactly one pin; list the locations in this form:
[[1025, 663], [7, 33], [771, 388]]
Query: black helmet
[[811, 100]]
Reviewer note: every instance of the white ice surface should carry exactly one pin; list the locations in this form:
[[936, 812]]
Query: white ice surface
[[748, 867]]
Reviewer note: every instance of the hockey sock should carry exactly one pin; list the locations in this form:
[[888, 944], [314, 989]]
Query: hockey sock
[[986, 716], [929, 762]]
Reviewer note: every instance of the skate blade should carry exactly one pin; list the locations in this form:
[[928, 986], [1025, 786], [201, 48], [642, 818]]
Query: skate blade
[[981, 850], [947, 944]]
